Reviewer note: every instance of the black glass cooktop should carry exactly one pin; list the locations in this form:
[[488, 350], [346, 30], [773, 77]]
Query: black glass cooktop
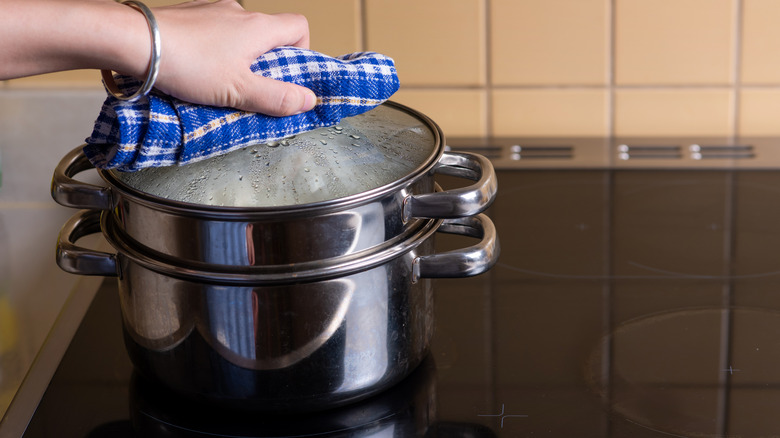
[[626, 303]]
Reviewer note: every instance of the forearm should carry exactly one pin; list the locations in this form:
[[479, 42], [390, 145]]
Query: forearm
[[207, 48], [41, 36]]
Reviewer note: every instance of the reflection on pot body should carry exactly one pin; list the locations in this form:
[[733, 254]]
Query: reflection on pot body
[[267, 328], [260, 242], [318, 342]]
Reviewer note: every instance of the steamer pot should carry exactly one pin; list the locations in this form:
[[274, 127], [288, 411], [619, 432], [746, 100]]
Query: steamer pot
[[325, 194], [279, 337]]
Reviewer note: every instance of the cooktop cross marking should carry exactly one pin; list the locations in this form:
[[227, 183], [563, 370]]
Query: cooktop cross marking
[[502, 415], [731, 370]]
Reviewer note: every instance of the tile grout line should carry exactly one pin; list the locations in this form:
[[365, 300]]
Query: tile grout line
[[363, 25], [736, 88], [611, 114], [487, 117]]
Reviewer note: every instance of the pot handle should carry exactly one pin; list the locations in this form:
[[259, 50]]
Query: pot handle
[[466, 262], [77, 260], [68, 192], [462, 202]]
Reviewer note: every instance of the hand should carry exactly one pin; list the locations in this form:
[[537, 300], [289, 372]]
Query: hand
[[207, 49]]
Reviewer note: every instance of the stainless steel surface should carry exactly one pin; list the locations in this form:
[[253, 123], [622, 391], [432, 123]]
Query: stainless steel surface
[[69, 192], [464, 262], [295, 342], [458, 263], [462, 202], [76, 260], [361, 153], [280, 235]]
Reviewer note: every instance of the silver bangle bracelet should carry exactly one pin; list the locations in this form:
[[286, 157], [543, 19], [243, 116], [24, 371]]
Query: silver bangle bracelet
[[154, 62]]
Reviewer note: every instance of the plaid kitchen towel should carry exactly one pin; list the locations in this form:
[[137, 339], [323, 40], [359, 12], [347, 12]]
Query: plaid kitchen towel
[[159, 130]]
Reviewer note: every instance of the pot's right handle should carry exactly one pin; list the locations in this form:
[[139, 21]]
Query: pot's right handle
[[68, 192], [77, 260], [466, 262], [461, 202]]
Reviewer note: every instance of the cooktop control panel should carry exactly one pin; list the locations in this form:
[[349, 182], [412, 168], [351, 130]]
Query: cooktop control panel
[[639, 152]]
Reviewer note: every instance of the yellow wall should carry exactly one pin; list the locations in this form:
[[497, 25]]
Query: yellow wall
[[558, 67]]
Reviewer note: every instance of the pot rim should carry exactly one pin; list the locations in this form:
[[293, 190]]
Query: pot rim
[[286, 211], [269, 275]]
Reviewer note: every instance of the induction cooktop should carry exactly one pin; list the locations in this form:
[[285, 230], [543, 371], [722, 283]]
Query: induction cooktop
[[633, 298]]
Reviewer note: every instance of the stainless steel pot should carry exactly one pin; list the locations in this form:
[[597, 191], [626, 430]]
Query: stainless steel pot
[[280, 337], [381, 187]]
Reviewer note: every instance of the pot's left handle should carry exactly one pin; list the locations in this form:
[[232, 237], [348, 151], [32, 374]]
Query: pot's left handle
[[77, 260], [466, 262], [72, 193]]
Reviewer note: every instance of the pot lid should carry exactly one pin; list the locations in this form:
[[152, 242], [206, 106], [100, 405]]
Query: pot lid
[[364, 152]]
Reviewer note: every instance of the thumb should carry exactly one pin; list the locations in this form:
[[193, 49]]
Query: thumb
[[275, 98]]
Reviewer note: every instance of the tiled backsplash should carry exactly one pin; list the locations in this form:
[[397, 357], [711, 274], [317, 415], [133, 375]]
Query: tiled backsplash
[[558, 67]]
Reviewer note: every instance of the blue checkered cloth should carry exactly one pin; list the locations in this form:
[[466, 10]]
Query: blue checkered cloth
[[159, 130]]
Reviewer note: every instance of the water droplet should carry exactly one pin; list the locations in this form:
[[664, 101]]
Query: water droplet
[[285, 143], [323, 142], [273, 144], [305, 169], [354, 136]]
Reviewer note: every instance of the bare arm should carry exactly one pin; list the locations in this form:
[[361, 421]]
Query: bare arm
[[206, 47]]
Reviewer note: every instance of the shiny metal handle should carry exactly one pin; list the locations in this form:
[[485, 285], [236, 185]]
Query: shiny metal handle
[[462, 202], [71, 193], [77, 260], [466, 262]]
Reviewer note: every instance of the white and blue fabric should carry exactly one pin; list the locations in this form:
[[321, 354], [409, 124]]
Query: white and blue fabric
[[159, 130]]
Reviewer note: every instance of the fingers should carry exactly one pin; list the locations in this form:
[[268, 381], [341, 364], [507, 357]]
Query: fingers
[[274, 98], [288, 30]]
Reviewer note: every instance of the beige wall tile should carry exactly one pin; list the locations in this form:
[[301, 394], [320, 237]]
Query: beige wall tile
[[673, 112], [459, 113], [550, 112], [549, 42], [760, 42], [758, 112], [334, 25], [65, 79], [434, 42], [674, 41]]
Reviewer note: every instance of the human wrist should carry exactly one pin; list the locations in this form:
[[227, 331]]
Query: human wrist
[[152, 69], [127, 46]]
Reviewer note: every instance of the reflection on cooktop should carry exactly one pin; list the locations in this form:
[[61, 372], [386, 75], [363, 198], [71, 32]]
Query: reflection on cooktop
[[626, 303], [669, 372]]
